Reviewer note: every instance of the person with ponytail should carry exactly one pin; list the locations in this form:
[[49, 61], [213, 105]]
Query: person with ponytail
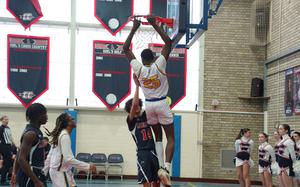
[[243, 162], [286, 156], [60, 159], [296, 138], [277, 139], [266, 157]]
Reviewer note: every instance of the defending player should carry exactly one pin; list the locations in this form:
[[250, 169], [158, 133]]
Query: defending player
[[142, 135], [151, 74]]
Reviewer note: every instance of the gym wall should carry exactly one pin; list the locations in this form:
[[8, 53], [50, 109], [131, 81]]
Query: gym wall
[[230, 64]]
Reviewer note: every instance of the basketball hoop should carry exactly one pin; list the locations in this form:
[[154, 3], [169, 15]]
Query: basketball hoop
[[169, 22], [144, 37]]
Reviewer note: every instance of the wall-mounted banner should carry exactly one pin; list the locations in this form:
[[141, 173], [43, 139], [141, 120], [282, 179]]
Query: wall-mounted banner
[[113, 14], [297, 90], [111, 73], [176, 72], [27, 67], [288, 98], [27, 12], [159, 8]]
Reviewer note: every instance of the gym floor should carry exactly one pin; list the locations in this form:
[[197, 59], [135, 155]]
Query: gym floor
[[133, 183]]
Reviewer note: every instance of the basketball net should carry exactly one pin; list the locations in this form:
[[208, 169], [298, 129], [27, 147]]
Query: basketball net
[[144, 37]]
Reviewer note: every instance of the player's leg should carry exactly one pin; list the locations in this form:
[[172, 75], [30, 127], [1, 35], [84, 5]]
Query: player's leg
[[154, 170], [143, 168], [169, 131], [280, 182], [57, 178], [239, 174], [261, 174], [7, 162], [152, 120], [268, 178], [165, 117], [262, 177], [24, 181], [246, 176], [158, 143], [287, 180], [156, 184]]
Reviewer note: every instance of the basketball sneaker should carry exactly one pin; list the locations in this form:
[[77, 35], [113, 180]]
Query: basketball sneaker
[[164, 176]]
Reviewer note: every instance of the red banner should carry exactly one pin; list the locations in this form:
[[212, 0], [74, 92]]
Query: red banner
[[26, 12], [113, 14], [27, 67], [111, 73]]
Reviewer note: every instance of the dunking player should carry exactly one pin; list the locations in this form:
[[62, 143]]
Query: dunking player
[[141, 132], [154, 83]]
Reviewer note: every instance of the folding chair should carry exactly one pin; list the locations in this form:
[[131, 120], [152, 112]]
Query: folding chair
[[85, 157], [115, 161], [100, 160]]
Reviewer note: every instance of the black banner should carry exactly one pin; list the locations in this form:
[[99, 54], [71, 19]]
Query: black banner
[[27, 67], [111, 73], [176, 72], [288, 100], [159, 8], [27, 12], [297, 90], [113, 14]]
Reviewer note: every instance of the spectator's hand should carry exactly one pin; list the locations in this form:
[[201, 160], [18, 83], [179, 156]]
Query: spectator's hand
[[13, 156], [93, 168], [38, 184]]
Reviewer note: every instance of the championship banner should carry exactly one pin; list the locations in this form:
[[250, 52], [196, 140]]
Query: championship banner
[[113, 14], [27, 67], [27, 12], [297, 90], [288, 99], [159, 8], [111, 73], [176, 72]]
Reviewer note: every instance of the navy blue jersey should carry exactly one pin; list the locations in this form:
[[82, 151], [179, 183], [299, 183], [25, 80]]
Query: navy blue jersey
[[141, 132], [37, 153]]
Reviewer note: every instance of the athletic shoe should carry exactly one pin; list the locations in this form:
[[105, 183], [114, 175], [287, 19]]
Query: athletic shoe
[[164, 176]]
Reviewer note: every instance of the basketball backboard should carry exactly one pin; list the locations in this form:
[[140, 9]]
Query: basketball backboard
[[186, 14], [190, 17]]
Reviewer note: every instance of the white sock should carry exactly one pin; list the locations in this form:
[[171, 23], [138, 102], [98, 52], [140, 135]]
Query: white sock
[[168, 166], [160, 153]]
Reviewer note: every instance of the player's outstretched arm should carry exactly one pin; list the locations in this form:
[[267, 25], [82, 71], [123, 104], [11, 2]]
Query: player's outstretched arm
[[126, 47], [135, 101], [166, 50]]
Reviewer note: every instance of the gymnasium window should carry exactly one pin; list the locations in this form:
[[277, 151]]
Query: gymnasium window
[[59, 52], [83, 72], [60, 55], [59, 63], [54, 10]]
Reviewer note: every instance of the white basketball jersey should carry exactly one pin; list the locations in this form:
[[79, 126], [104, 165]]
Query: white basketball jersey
[[152, 78]]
